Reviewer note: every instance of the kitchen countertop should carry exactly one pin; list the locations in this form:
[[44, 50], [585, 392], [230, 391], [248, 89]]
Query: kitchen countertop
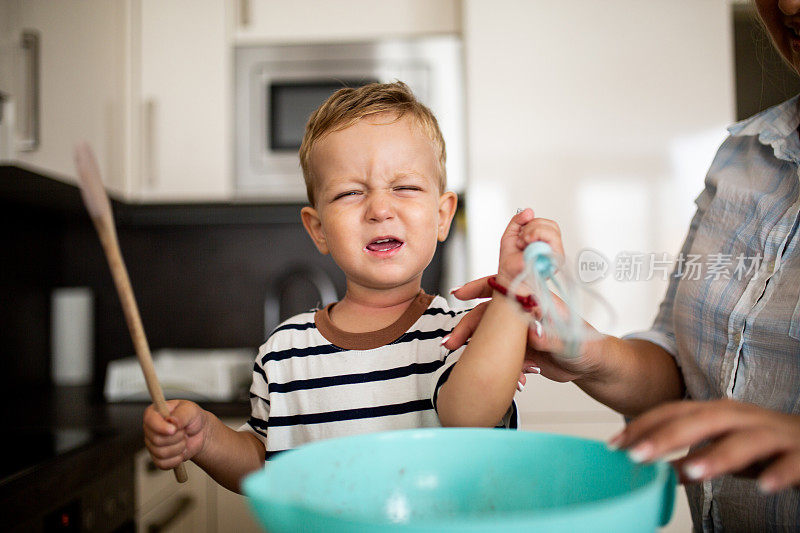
[[113, 431]]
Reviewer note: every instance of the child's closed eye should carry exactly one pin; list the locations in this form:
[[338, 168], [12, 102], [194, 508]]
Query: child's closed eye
[[345, 194], [408, 188]]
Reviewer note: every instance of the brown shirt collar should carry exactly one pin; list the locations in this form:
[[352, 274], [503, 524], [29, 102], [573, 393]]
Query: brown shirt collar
[[371, 339]]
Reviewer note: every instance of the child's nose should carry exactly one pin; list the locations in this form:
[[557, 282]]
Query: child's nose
[[380, 207]]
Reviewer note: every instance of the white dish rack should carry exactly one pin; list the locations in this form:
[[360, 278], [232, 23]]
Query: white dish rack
[[200, 375]]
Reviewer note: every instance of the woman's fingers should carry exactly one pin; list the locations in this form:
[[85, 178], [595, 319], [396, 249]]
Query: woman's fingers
[[782, 473], [646, 436], [676, 426], [739, 438], [734, 452], [478, 288], [465, 328]]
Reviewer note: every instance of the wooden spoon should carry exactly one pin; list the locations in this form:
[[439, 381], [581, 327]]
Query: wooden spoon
[[96, 200]]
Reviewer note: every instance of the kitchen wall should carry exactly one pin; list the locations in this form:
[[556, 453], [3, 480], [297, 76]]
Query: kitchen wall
[[602, 116]]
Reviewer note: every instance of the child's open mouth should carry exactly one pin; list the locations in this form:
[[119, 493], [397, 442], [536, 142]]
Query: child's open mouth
[[384, 244]]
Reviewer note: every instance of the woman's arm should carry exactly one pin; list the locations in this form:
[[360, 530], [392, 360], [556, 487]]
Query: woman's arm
[[630, 376]]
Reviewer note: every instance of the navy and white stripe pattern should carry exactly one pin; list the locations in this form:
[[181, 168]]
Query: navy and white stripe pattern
[[308, 386]]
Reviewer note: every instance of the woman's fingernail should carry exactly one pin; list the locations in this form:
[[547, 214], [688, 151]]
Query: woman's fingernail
[[520, 386], [768, 485], [538, 328], [613, 442], [695, 471], [445, 339], [454, 289], [171, 429], [533, 370], [641, 453]]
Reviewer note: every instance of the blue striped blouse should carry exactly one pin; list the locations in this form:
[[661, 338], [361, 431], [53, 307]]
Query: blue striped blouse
[[735, 332]]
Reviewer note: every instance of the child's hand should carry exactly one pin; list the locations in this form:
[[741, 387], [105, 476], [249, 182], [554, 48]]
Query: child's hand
[[524, 229], [742, 439], [178, 438]]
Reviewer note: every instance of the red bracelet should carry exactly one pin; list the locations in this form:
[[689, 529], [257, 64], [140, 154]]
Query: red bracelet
[[527, 302]]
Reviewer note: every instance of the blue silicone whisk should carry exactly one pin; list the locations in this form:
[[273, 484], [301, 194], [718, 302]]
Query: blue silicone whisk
[[559, 308]]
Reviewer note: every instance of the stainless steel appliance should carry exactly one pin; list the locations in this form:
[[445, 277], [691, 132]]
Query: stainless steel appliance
[[278, 86]]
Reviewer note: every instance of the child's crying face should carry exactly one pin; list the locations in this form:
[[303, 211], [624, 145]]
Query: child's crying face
[[379, 211]]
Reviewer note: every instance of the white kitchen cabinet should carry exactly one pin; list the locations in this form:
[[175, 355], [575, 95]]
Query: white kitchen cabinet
[[145, 82], [74, 93], [181, 104], [198, 506], [231, 512], [164, 505], [303, 21]]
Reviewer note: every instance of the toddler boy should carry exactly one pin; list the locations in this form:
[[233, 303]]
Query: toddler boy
[[373, 159]]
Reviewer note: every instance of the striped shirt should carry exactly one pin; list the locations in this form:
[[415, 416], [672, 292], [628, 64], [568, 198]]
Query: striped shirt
[[312, 380], [738, 335]]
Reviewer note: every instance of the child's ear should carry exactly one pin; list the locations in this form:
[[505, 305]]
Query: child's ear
[[313, 225], [447, 208]]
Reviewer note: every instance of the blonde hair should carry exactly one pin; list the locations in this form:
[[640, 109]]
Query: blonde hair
[[347, 106]]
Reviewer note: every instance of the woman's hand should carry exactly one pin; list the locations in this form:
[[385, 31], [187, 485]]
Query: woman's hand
[[742, 438], [541, 356]]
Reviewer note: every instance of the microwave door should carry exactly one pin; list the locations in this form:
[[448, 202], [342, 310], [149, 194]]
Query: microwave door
[[290, 104]]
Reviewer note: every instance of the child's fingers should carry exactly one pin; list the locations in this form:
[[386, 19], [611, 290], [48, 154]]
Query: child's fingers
[[517, 222], [165, 445], [184, 413], [157, 424], [545, 230], [166, 457]]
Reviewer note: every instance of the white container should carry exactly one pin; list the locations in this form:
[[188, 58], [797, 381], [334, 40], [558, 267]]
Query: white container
[[72, 336], [202, 375]]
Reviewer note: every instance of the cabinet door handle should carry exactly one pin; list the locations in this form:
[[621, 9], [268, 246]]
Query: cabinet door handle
[[29, 125], [150, 144], [244, 13], [182, 506]]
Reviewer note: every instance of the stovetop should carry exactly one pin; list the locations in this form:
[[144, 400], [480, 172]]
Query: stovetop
[[28, 448]]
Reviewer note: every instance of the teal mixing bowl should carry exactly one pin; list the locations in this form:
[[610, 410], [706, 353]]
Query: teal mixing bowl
[[459, 480]]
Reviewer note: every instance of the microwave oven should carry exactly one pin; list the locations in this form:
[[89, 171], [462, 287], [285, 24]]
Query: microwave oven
[[279, 86]]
